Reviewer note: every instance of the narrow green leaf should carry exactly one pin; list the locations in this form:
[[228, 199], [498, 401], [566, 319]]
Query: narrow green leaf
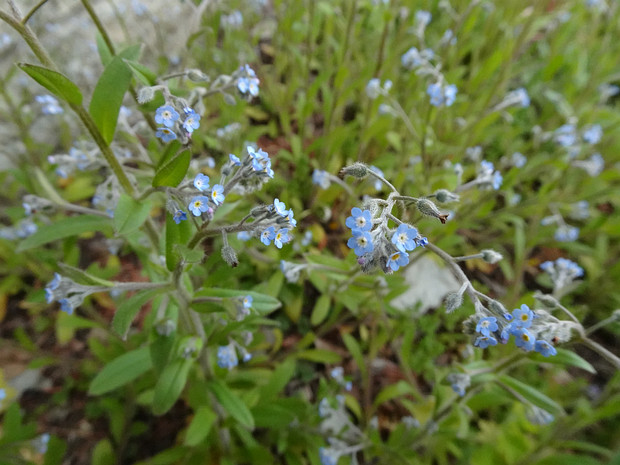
[[278, 380], [565, 357], [173, 172], [319, 356], [533, 395], [121, 371], [104, 51], [171, 384], [56, 83], [130, 214], [356, 351], [108, 97], [175, 234], [170, 152], [392, 391], [128, 309], [56, 449], [131, 52], [232, 403], [82, 277], [272, 416], [103, 454], [200, 426], [142, 73], [67, 227], [262, 303], [321, 309]]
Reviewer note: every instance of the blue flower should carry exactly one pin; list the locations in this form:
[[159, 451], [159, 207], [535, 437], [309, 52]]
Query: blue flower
[[524, 339], [497, 180], [592, 134], [50, 105], [291, 218], [244, 236], [192, 120], [329, 456], [54, 283], [165, 134], [523, 316], [281, 237], [441, 94], [485, 341], [179, 216], [507, 331], [397, 260], [566, 233], [421, 241], [545, 349], [66, 306], [234, 159], [566, 135], [518, 160], [248, 82], [361, 242], [166, 115], [217, 194], [227, 357], [280, 207], [247, 301], [260, 159], [404, 238], [201, 182], [359, 220], [321, 178], [268, 235], [198, 205], [487, 325], [423, 17]]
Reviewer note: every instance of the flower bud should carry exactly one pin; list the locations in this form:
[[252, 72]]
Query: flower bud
[[445, 196], [453, 301], [497, 308], [229, 255], [357, 170], [145, 95], [547, 300], [197, 76], [428, 208], [491, 256]]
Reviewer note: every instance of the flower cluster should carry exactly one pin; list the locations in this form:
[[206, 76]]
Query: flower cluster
[[172, 124], [564, 232], [529, 333], [370, 241], [441, 93], [86, 157], [562, 272], [49, 105], [67, 293], [374, 88], [488, 176], [227, 356], [337, 374], [247, 82], [200, 204]]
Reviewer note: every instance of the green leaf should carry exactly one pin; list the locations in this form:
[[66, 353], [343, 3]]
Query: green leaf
[[67, 227], [108, 97], [262, 303], [278, 380], [130, 214], [319, 356], [200, 426], [321, 309], [533, 395], [565, 357], [171, 384], [82, 277], [142, 73], [103, 49], [568, 459], [103, 454], [56, 83], [128, 309], [401, 388], [131, 52], [121, 371], [172, 173], [175, 234], [232, 403], [272, 416], [56, 449], [356, 351]]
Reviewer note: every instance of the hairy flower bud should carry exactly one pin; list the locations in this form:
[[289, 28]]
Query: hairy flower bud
[[491, 256], [428, 208], [445, 196], [357, 170], [197, 76], [145, 95], [546, 300], [453, 301], [229, 255]]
